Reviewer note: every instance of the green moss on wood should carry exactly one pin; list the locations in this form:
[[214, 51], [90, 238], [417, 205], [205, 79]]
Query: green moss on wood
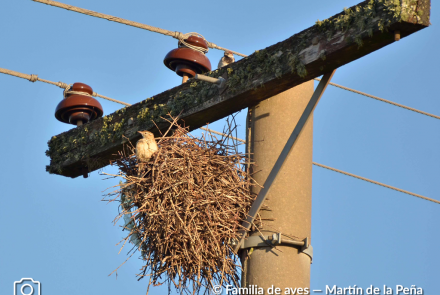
[[353, 25]]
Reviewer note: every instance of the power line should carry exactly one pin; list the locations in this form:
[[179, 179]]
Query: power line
[[343, 172], [226, 135], [180, 36], [375, 182], [382, 99], [177, 35], [34, 78]]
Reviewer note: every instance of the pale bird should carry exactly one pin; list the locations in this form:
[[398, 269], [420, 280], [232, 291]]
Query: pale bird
[[227, 59], [146, 147]]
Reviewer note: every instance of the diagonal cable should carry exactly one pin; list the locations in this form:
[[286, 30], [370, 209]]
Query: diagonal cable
[[375, 182], [177, 35], [34, 78], [222, 134], [382, 99], [346, 173]]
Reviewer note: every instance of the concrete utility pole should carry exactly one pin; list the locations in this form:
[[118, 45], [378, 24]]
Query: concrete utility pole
[[289, 202]]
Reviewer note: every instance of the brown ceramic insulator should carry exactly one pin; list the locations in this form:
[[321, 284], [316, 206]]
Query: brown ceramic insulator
[[196, 41], [77, 107], [83, 116], [82, 88], [186, 60], [185, 68]]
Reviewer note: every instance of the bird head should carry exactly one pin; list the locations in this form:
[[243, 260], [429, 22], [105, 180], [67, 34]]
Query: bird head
[[229, 54], [146, 134]]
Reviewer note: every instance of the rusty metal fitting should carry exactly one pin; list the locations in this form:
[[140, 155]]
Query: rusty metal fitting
[[274, 240]]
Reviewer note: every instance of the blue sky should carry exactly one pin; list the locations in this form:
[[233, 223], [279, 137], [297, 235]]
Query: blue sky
[[58, 231]]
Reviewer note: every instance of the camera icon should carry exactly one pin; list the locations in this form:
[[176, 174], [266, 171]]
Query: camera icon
[[27, 286]]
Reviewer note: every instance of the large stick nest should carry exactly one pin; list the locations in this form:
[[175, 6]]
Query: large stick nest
[[183, 207]]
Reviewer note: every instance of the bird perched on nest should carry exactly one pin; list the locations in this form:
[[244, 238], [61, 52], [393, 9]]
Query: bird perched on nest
[[145, 147], [227, 59]]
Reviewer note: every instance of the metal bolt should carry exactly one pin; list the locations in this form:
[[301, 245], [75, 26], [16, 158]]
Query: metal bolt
[[220, 81]]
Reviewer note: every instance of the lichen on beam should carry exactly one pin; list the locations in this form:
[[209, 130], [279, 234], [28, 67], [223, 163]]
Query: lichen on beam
[[329, 44]]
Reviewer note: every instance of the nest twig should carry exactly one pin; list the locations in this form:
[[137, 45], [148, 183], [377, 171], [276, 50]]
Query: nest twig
[[183, 207]]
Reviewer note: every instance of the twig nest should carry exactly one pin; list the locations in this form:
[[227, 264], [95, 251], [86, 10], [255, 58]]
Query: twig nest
[[183, 208]]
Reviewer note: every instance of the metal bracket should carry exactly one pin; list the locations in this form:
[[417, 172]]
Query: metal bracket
[[307, 249], [220, 82], [276, 239]]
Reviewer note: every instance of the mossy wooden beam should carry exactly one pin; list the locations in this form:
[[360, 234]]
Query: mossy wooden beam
[[327, 45]]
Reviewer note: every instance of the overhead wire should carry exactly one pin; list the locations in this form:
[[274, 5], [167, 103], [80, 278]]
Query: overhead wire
[[66, 87], [383, 100], [174, 34], [180, 36], [226, 135], [34, 78], [343, 172], [376, 182]]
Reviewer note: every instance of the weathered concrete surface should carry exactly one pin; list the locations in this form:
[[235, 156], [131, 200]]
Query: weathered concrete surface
[[288, 207], [329, 44]]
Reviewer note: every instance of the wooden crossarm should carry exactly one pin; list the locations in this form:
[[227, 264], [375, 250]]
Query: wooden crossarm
[[327, 45]]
